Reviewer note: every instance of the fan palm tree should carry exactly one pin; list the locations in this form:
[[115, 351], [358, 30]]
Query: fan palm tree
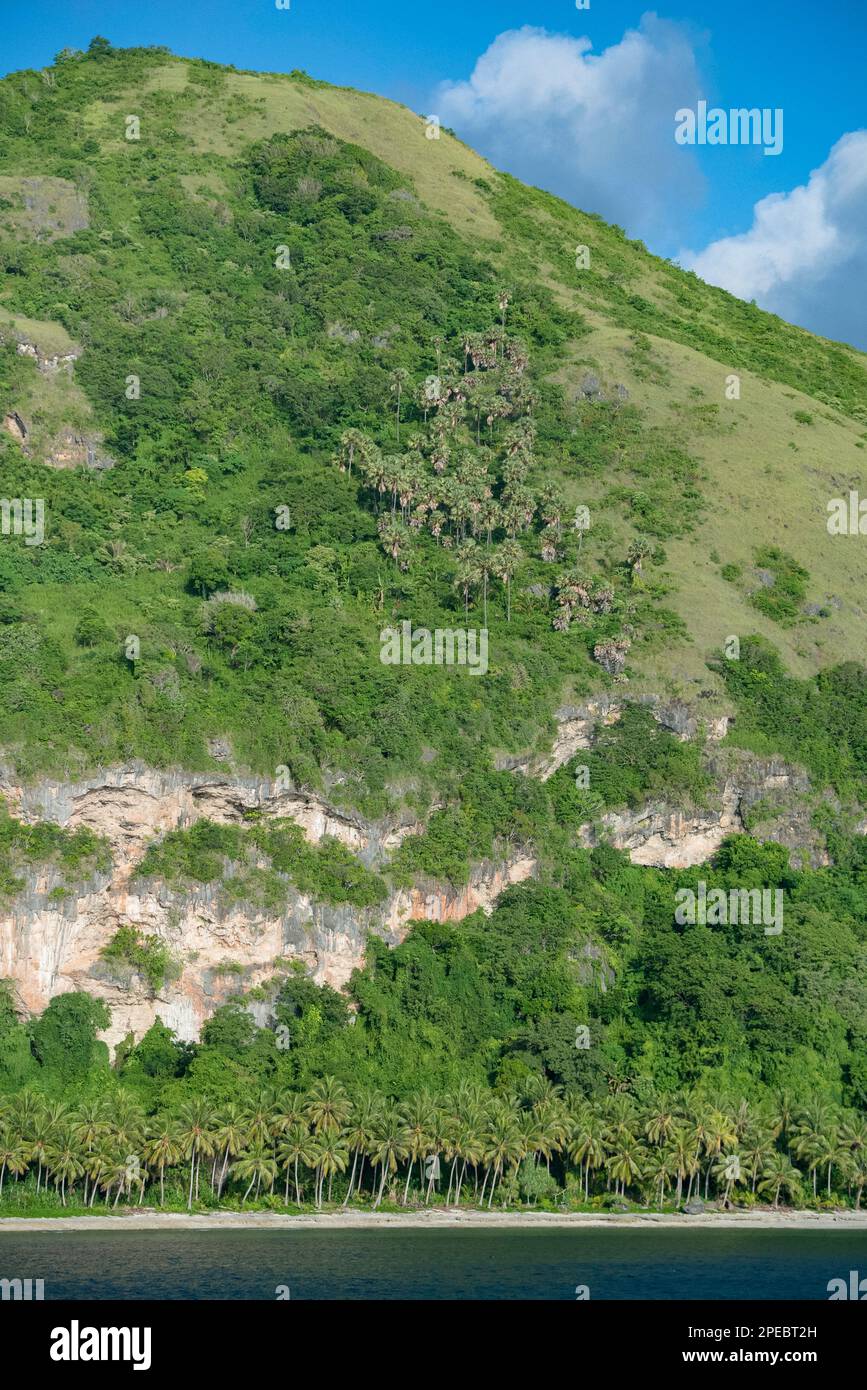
[[506, 561], [399, 378], [468, 570]]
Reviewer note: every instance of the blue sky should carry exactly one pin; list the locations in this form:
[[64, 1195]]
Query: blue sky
[[582, 102]]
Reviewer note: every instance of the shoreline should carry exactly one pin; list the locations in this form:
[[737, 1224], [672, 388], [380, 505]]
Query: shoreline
[[440, 1220]]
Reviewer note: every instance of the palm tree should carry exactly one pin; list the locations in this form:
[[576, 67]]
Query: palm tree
[[858, 1173], [196, 1120], [90, 1125], [812, 1136], [418, 1115], [778, 1173], [728, 1167], [64, 1163], [468, 571], [258, 1165], [684, 1160], [162, 1149], [661, 1121], [14, 1155], [296, 1146], [659, 1170], [506, 561], [758, 1147], [359, 1134], [586, 1144], [352, 443], [388, 1146], [230, 1136], [720, 1134], [399, 378], [331, 1155], [328, 1106], [638, 551], [504, 1148], [626, 1162]]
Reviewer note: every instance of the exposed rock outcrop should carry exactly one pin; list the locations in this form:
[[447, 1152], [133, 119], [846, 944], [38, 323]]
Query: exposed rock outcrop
[[51, 940]]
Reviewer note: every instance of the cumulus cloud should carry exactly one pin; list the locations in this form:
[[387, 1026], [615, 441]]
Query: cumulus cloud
[[805, 256], [597, 129]]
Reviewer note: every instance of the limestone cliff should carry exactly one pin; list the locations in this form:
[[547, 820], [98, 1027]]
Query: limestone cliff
[[51, 941]]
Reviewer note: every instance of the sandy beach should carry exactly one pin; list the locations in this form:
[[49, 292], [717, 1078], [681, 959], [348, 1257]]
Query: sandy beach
[[441, 1219]]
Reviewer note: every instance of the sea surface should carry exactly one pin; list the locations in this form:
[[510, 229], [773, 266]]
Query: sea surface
[[434, 1264]]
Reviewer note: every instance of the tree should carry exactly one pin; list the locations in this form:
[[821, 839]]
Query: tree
[[195, 1123], [163, 1149], [99, 48], [506, 561], [468, 571], [778, 1173], [388, 1146], [64, 1036], [259, 1166], [398, 380], [208, 572], [296, 1146]]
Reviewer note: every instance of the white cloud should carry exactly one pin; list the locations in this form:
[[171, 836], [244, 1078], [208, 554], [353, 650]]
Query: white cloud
[[597, 129], [805, 256]]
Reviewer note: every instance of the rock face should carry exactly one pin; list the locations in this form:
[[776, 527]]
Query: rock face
[[674, 837], [669, 838], [72, 449], [51, 940], [14, 425], [577, 726], [50, 944]]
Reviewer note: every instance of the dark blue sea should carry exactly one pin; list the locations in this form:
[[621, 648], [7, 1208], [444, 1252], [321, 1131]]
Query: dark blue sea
[[434, 1264]]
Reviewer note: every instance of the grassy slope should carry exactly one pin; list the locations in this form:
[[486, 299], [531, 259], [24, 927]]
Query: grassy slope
[[756, 463]]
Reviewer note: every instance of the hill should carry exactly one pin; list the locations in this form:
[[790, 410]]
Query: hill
[[283, 377]]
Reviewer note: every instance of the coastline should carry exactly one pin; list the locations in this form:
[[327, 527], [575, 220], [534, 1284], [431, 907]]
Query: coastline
[[439, 1220]]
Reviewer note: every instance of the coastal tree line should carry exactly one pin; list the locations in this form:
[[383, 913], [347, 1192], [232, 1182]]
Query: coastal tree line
[[325, 1146]]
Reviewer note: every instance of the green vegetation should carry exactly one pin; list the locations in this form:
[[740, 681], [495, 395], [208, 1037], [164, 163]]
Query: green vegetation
[[782, 601], [258, 863], [820, 722], [391, 429], [573, 1012], [74, 854], [323, 388], [146, 955]]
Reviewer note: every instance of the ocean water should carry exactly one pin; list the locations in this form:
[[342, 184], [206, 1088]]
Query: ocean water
[[434, 1264]]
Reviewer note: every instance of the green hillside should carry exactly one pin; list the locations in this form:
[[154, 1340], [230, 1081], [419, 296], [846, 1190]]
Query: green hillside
[[220, 385], [287, 373]]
